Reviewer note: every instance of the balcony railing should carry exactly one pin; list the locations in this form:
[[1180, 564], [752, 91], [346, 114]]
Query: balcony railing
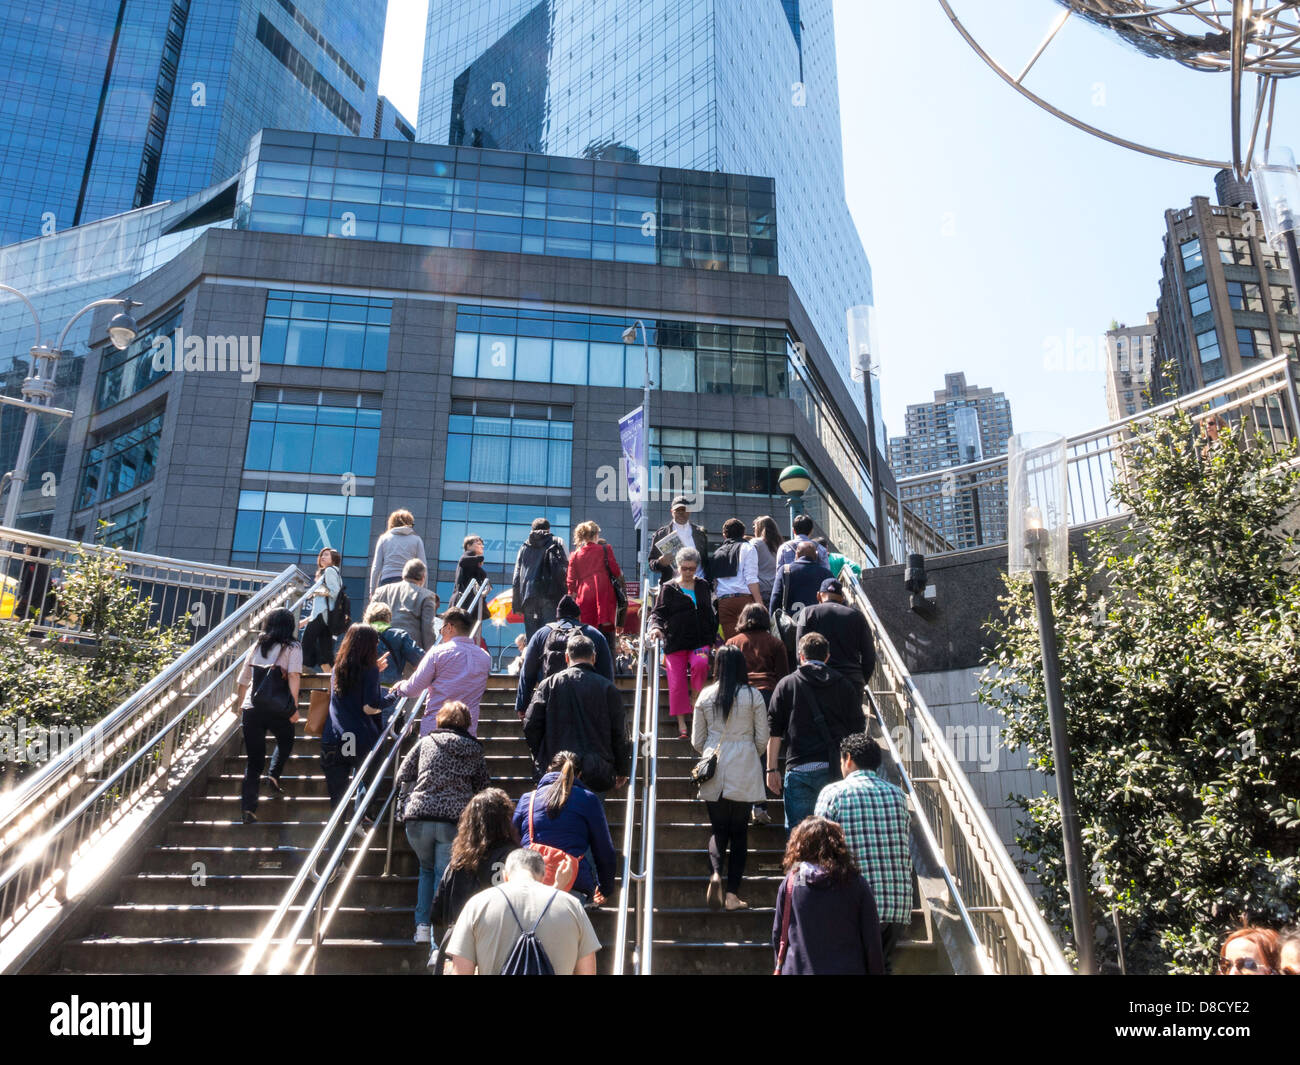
[[1261, 404]]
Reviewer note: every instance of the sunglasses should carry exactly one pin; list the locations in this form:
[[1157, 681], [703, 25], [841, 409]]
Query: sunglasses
[[1243, 965]]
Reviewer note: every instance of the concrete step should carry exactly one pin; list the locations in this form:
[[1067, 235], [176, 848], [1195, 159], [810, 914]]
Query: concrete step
[[256, 887]]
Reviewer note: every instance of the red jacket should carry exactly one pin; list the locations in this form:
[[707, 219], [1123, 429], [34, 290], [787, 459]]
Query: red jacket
[[589, 583]]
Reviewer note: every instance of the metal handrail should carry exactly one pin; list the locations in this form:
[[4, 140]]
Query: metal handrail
[[150, 741], [364, 780], [1024, 943], [117, 719], [649, 805], [407, 713], [1096, 459], [640, 702]]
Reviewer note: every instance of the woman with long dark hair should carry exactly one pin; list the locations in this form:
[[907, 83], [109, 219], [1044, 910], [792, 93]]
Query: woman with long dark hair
[[731, 723], [768, 663], [563, 813], [268, 696], [485, 836], [767, 541], [317, 642], [826, 922], [435, 783], [357, 703]]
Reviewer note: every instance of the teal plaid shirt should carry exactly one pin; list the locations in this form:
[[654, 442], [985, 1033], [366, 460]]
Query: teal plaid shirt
[[875, 819]]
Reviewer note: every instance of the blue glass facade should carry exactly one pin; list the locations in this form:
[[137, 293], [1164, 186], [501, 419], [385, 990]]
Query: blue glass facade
[[744, 88], [112, 106], [320, 185]]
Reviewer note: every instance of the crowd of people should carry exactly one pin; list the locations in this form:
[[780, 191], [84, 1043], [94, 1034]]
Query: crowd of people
[[766, 665]]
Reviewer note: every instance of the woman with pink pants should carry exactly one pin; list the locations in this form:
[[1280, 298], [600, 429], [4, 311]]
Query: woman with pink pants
[[684, 619]]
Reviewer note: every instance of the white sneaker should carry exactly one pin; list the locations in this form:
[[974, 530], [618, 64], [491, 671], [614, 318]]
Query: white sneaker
[[422, 933]]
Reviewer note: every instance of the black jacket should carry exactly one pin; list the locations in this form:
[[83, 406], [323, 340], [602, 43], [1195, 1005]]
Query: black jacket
[[578, 710], [805, 580], [469, 568], [530, 673], [791, 713], [685, 625], [853, 651], [663, 567], [541, 570]]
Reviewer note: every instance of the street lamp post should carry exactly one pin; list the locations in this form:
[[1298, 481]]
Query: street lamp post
[[1039, 545], [863, 349], [643, 526], [38, 388], [794, 482]]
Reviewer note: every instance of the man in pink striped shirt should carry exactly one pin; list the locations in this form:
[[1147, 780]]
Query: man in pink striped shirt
[[456, 669]]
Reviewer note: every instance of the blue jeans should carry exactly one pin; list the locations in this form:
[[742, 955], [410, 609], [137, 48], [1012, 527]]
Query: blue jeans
[[431, 841], [800, 793]]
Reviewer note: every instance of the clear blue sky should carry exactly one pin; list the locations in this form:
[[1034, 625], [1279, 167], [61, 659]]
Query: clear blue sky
[[998, 235]]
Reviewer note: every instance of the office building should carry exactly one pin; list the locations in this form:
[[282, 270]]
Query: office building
[[114, 107], [1129, 351], [704, 85], [390, 124], [1226, 299], [962, 425], [421, 355]]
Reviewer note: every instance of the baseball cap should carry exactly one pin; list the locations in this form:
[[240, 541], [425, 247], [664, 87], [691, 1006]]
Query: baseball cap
[[832, 587]]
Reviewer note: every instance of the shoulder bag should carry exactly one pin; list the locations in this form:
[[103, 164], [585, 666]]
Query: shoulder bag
[[620, 591], [561, 866], [784, 942], [784, 627], [271, 694]]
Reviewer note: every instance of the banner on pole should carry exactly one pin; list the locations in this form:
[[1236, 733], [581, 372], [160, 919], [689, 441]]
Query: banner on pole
[[632, 433]]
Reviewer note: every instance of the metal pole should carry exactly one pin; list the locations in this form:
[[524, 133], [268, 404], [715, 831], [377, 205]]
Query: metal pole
[[1080, 918], [643, 530], [873, 470]]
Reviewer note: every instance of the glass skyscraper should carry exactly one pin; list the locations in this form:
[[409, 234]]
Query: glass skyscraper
[[700, 84], [109, 107], [106, 107]]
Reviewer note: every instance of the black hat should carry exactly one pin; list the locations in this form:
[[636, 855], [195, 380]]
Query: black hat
[[830, 586], [568, 608]]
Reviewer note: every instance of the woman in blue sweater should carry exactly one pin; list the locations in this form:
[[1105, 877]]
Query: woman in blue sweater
[[357, 703], [570, 817]]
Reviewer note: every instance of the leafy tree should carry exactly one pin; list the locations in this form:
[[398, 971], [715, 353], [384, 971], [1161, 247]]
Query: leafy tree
[[51, 684], [1179, 638]]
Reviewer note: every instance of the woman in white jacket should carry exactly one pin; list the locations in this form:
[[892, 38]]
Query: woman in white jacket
[[731, 718], [395, 549]]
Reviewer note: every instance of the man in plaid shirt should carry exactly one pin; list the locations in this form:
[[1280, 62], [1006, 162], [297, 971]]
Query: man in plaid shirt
[[875, 819]]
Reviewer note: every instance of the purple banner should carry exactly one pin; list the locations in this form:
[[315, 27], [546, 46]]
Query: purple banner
[[631, 431]]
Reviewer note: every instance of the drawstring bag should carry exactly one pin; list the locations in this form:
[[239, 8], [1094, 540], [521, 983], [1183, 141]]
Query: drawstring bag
[[528, 956]]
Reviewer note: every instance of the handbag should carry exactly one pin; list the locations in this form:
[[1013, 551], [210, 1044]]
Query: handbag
[[318, 712], [620, 591], [784, 942], [784, 627], [271, 694], [703, 771], [561, 866]]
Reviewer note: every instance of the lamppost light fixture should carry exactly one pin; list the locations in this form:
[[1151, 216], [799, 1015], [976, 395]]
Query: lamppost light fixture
[[629, 334], [122, 328], [794, 481]]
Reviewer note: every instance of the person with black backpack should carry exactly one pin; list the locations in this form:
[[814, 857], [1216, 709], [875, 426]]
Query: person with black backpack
[[541, 573], [330, 612], [268, 696], [523, 927], [545, 653]]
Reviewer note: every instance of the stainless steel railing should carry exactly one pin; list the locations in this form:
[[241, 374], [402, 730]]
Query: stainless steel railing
[[32, 568], [981, 908], [645, 733], [294, 953], [1261, 403], [53, 820]]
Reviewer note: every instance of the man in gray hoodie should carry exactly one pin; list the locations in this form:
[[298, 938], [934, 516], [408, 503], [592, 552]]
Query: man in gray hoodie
[[541, 576]]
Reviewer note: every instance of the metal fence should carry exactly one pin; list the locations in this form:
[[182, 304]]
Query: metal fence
[[54, 818], [34, 569], [1260, 405], [975, 896]]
